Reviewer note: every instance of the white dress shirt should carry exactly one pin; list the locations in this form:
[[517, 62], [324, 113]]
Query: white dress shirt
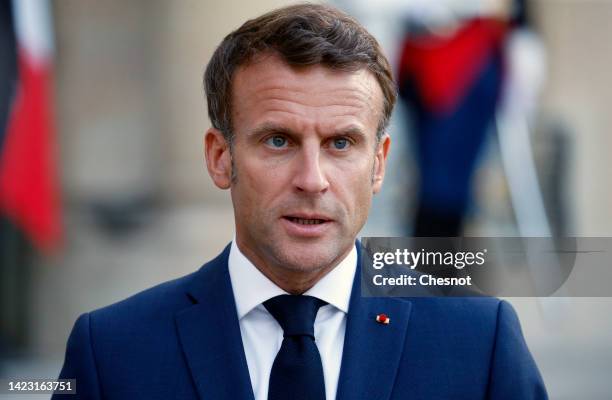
[[262, 335]]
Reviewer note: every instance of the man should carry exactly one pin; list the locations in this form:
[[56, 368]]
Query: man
[[299, 101]]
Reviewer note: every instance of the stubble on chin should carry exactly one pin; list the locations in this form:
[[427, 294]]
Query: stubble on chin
[[297, 270], [309, 258]]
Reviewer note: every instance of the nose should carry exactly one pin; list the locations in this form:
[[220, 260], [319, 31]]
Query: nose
[[309, 172]]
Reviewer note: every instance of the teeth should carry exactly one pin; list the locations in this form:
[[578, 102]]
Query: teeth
[[302, 221]]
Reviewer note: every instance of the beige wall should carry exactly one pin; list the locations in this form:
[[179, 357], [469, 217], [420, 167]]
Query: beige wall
[[579, 90]]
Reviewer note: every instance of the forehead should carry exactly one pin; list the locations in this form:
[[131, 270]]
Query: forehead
[[268, 88]]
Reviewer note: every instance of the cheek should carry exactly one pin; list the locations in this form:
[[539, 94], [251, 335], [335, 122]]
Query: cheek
[[257, 183], [354, 183]]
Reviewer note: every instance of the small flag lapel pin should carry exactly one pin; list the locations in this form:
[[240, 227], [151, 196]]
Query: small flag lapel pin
[[382, 319]]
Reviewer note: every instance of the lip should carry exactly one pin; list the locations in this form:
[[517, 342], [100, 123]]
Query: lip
[[307, 215], [307, 231]]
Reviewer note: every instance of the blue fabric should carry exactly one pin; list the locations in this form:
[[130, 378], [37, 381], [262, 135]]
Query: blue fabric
[[297, 372], [181, 340], [449, 143]]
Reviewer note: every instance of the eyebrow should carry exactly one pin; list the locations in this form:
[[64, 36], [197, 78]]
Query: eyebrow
[[350, 130], [271, 127]]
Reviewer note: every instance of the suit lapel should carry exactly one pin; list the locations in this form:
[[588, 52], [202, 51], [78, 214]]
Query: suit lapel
[[210, 335], [372, 351]]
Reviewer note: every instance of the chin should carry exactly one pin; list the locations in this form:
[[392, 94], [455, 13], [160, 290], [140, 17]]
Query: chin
[[309, 257]]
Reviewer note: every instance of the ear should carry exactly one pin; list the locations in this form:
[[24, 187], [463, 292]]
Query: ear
[[380, 162], [218, 158]]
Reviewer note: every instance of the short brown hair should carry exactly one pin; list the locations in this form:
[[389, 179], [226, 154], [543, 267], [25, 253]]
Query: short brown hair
[[302, 35]]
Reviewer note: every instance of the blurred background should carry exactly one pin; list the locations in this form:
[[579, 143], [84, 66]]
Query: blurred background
[[503, 129]]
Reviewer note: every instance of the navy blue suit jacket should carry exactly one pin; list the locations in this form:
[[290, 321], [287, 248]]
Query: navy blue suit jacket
[[181, 340]]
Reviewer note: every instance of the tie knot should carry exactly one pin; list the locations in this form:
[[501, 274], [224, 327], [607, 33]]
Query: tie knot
[[295, 314]]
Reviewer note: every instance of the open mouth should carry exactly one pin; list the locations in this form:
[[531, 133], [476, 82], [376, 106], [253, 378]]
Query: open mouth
[[303, 225], [306, 221]]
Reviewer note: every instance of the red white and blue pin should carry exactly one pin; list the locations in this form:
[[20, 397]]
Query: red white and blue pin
[[383, 319]]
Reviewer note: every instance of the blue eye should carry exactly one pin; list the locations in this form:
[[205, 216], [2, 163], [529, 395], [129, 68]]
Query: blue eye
[[340, 143], [276, 141]]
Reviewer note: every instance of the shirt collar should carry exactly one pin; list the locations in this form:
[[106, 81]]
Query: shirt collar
[[251, 287]]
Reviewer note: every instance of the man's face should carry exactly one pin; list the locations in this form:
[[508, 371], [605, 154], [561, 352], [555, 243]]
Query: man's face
[[306, 162]]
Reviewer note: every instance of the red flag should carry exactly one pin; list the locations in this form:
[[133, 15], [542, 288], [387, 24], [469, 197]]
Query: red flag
[[29, 190]]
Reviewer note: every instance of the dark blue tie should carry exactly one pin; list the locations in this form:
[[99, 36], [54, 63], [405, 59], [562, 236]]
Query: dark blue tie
[[297, 372]]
